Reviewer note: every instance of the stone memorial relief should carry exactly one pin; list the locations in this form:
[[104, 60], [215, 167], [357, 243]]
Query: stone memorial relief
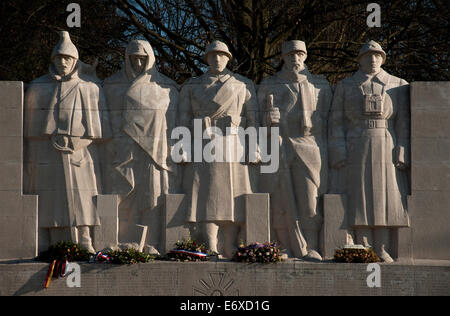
[[221, 101], [343, 173], [215, 284], [298, 103], [369, 150], [65, 116], [143, 107]]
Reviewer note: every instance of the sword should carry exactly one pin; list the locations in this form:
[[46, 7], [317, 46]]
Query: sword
[[289, 207], [65, 154], [70, 198]]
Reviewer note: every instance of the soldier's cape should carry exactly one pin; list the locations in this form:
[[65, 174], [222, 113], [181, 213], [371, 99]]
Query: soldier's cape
[[66, 105]]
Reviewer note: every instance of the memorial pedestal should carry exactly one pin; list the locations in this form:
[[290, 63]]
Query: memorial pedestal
[[256, 226], [18, 212], [291, 278]]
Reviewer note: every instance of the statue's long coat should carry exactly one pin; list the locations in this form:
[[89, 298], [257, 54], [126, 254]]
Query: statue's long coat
[[304, 102], [376, 189], [75, 108], [213, 189], [143, 111]]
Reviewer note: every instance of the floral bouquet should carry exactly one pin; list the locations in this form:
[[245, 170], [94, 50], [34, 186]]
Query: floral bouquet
[[189, 250], [59, 256], [356, 255], [126, 256], [268, 252], [65, 250]]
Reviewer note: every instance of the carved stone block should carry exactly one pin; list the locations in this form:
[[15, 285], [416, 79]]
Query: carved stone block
[[106, 235], [18, 213], [257, 218], [335, 225], [174, 221], [430, 171]]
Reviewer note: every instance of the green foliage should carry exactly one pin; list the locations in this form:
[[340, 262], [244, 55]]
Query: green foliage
[[129, 256], [261, 253], [349, 255], [63, 250]]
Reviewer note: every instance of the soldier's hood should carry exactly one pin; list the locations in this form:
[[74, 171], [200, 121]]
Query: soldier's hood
[[74, 73], [139, 47], [65, 46]]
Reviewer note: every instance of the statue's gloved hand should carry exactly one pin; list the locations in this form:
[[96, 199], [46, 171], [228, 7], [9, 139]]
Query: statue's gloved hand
[[62, 143], [62, 140], [273, 113], [401, 165], [399, 158], [273, 117], [254, 158]]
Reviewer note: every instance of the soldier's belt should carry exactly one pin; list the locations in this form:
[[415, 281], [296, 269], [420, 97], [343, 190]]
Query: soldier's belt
[[371, 124], [223, 123]]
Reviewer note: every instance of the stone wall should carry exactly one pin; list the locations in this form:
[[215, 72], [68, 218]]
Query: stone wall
[[429, 203], [18, 213], [230, 279]]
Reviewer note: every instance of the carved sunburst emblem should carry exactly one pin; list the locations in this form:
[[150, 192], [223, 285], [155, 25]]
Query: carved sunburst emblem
[[218, 284]]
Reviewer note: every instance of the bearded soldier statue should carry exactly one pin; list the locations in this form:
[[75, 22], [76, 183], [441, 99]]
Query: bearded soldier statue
[[298, 103]]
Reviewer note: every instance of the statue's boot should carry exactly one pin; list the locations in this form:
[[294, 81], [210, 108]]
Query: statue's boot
[[313, 255], [84, 238], [312, 239], [382, 239], [212, 230], [384, 256]]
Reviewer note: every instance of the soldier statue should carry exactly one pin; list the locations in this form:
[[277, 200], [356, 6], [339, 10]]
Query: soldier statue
[[65, 114], [226, 101], [369, 144], [298, 103]]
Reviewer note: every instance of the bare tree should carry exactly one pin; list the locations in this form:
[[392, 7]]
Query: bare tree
[[413, 33], [29, 31]]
